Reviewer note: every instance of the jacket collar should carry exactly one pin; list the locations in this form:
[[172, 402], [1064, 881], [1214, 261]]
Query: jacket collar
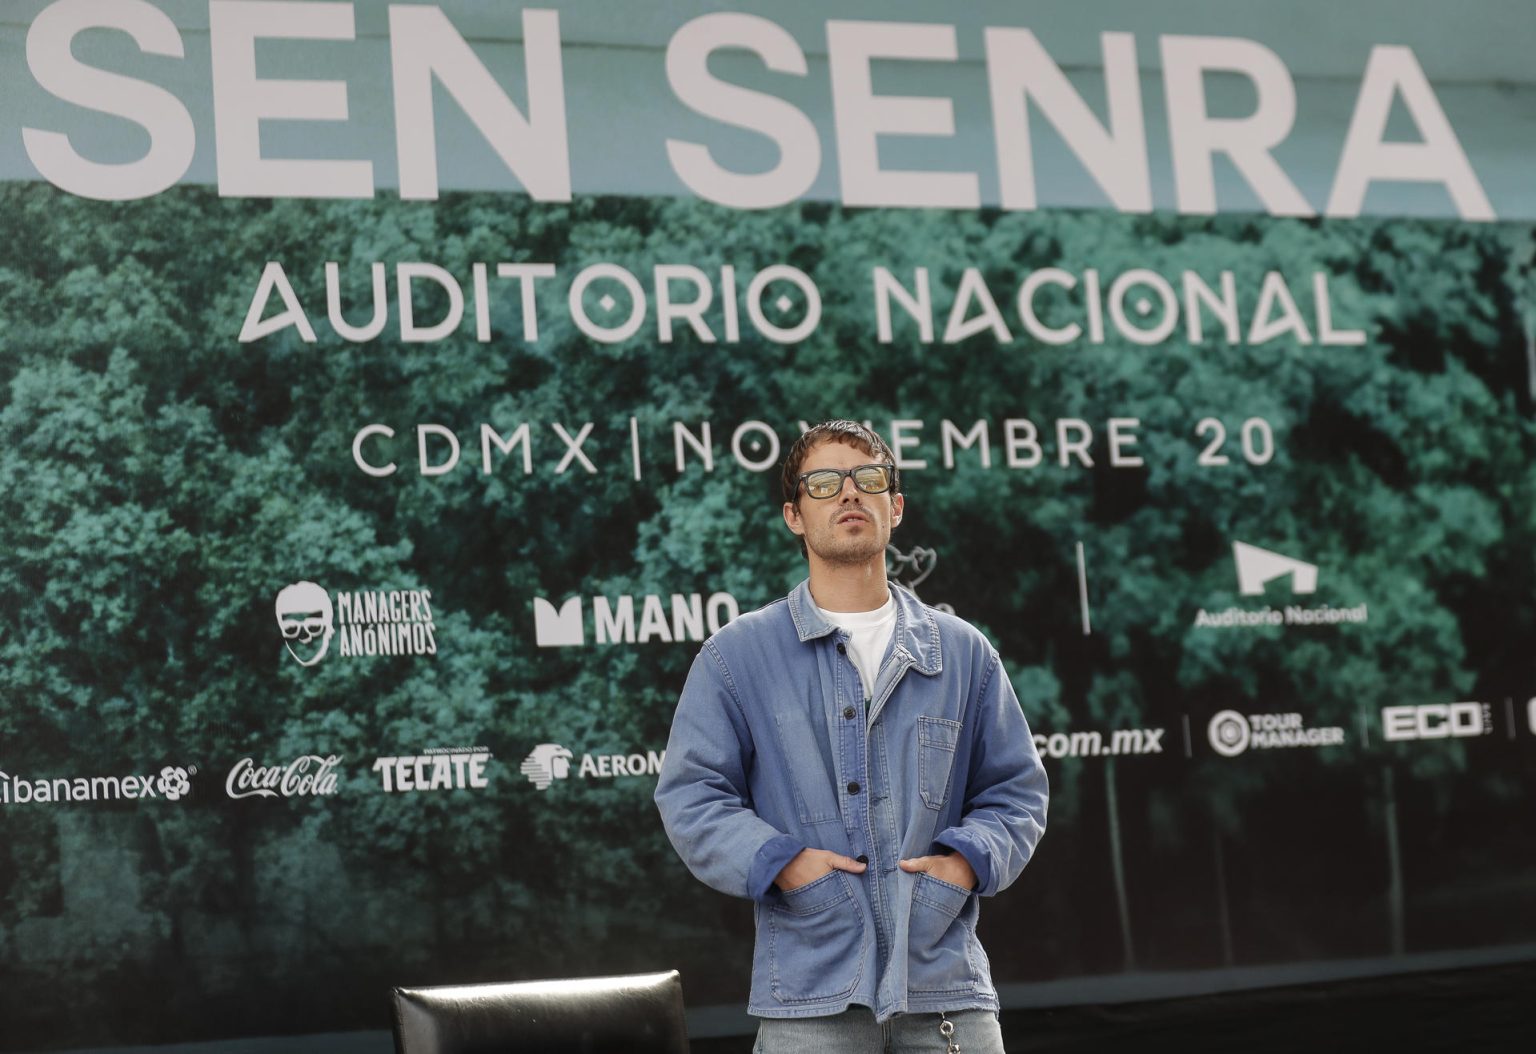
[[917, 634]]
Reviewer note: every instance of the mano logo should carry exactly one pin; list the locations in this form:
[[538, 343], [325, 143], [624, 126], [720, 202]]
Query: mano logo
[[687, 617], [1257, 567], [547, 763]]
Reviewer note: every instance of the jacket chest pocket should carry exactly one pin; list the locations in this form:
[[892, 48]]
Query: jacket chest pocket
[[805, 764], [936, 740]]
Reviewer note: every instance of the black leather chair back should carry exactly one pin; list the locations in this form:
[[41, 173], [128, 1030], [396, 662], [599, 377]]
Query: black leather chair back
[[634, 1014]]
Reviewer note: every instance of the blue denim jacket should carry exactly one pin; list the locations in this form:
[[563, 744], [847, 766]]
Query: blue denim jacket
[[774, 748]]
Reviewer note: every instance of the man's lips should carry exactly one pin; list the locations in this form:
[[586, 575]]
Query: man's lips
[[852, 516]]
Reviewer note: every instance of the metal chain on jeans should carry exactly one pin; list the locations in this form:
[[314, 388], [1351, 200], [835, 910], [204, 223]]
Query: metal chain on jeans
[[947, 1030]]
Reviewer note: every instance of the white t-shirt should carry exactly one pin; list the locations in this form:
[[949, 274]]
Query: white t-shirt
[[869, 634]]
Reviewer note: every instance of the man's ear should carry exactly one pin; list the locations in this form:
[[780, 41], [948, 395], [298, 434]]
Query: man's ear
[[792, 519], [898, 503]]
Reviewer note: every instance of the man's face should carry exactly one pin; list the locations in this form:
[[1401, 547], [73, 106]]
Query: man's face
[[851, 527]]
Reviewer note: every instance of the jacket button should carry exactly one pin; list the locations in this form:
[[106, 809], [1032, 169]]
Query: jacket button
[[849, 712], [853, 788], [861, 858], [842, 649]]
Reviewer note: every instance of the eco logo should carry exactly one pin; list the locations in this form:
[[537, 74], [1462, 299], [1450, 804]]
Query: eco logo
[[393, 622], [1232, 733], [1437, 721], [549, 762], [439, 768], [308, 776], [172, 782], [1261, 572], [686, 617]]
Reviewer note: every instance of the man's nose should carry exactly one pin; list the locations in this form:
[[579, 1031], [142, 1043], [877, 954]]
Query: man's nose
[[848, 490]]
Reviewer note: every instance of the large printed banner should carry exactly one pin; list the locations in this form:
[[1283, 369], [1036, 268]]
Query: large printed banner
[[356, 539]]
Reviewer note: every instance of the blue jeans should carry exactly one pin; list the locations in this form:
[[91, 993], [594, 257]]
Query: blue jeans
[[855, 1031]]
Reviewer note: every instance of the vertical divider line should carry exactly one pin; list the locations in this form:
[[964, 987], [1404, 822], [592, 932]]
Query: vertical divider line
[[1082, 589]]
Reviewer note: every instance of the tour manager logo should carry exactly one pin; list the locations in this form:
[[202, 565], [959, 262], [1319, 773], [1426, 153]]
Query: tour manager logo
[[378, 622], [549, 762], [683, 617], [1261, 571], [1232, 733]]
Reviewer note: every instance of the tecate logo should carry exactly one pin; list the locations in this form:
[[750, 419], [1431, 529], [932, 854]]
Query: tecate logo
[[307, 776], [435, 770]]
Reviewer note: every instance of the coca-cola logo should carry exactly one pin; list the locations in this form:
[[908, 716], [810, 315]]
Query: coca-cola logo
[[307, 776]]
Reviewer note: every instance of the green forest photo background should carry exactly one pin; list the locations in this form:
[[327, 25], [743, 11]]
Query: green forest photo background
[[163, 481]]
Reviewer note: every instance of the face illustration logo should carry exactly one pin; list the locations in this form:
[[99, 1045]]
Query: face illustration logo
[[547, 763], [1257, 567], [305, 616]]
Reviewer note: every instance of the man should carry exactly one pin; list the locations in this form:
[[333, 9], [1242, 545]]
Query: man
[[856, 763]]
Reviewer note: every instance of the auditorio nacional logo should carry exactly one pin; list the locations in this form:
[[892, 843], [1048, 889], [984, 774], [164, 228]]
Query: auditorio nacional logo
[[171, 782], [392, 622], [1261, 570]]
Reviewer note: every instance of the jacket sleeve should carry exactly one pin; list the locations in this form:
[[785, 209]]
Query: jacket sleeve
[[1006, 791], [705, 803]]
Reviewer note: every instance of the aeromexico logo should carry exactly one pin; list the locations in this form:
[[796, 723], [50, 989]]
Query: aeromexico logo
[[1266, 573], [548, 763], [390, 622], [631, 619]]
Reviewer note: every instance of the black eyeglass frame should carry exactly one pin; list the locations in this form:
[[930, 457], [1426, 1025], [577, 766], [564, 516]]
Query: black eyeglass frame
[[848, 473]]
